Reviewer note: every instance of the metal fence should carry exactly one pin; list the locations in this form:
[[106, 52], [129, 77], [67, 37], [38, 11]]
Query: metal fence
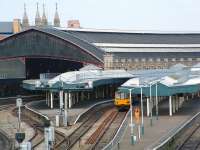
[[118, 136], [170, 140]]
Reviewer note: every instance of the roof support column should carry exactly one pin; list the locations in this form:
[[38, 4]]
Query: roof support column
[[70, 100], [170, 105], [48, 99], [52, 98], [147, 106], [187, 98], [65, 110], [61, 101], [174, 104], [181, 101], [77, 97], [103, 93], [88, 95], [95, 93], [192, 95], [82, 96]]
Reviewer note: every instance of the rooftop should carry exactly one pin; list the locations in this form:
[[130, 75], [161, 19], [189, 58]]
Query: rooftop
[[6, 27], [134, 37]]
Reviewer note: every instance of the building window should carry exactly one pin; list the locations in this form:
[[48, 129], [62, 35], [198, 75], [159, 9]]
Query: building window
[[116, 60], [198, 59], [150, 59], [129, 60], [122, 60], [143, 59], [136, 60], [158, 59], [173, 59], [189, 59]]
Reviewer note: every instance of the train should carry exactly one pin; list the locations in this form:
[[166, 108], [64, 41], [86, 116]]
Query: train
[[122, 100]]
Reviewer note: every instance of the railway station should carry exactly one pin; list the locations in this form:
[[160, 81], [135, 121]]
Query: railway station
[[103, 89], [158, 93]]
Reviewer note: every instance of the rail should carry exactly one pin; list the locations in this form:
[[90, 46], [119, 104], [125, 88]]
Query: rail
[[14, 97], [11, 141], [168, 140], [36, 112], [118, 136], [91, 107]]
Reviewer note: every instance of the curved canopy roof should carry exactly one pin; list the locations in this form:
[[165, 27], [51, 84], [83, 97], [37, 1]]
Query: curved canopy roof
[[50, 42], [179, 81], [80, 80]]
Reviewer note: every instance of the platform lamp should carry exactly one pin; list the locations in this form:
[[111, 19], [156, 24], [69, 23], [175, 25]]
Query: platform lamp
[[133, 140], [150, 85], [19, 136], [49, 134], [65, 120], [142, 111]]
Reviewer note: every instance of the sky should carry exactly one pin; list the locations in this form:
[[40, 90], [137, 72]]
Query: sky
[[159, 15]]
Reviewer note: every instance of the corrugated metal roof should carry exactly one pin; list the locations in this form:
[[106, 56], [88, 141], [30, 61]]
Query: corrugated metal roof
[[137, 38], [95, 51], [6, 27]]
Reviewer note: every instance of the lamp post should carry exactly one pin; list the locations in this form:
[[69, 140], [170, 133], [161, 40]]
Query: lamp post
[[65, 120], [19, 104], [156, 100], [151, 115], [131, 109], [142, 110]]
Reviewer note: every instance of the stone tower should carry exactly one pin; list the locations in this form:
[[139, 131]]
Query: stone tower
[[25, 21], [56, 18], [37, 17], [44, 18]]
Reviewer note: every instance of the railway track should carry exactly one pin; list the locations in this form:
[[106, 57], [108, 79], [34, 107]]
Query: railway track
[[85, 126], [6, 107], [5, 142], [38, 126], [106, 131], [62, 142], [8, 104], [193, 140], [188, 137]]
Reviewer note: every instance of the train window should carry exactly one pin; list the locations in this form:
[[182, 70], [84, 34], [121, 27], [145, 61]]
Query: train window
[[117, 95], [122, 95]]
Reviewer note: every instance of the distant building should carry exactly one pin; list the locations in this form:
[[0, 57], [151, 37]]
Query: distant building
[[44, 21], [56, 18], [9, 28], [37, 18], [73, 24], [25, 20]]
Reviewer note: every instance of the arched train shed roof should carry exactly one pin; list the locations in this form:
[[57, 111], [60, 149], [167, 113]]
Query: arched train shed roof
[[50, 42]]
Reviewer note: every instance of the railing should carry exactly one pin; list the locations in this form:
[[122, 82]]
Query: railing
[[14, 97], [11, 76], [96, 104], [36, 113], [44, 76], [169, 140], [118, 136]]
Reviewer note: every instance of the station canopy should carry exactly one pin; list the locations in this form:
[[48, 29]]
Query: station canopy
[[79, 80], [178, 79]]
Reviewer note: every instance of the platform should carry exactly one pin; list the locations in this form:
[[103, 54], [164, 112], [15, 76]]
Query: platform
[[73, 112], [162, 126]]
